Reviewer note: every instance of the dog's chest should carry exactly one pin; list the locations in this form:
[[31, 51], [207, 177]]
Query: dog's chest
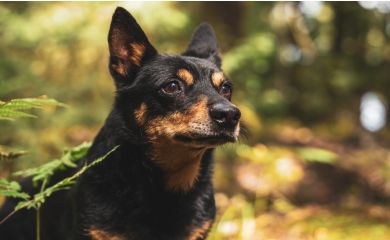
[[196, 231]]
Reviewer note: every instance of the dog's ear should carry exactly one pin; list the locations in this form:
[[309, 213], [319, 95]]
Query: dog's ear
[[203, 44], [129, 47]]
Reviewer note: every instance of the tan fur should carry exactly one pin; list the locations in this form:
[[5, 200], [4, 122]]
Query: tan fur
[[140, 114], [217, 78], [117, 47], [186, 76], [137, 54], [178, 122], [119, 68], [180, 162], [200, 232], [132, 53], [97, 234]]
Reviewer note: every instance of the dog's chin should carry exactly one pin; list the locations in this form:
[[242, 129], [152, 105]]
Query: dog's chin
[[206, 140]]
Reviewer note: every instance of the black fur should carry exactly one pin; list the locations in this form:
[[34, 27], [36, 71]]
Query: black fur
[[126, 195]]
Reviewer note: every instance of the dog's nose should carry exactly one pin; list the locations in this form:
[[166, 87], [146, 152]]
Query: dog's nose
[[224, 115]]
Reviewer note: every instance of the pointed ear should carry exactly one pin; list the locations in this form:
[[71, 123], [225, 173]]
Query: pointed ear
[[203, 44], [129, 47]]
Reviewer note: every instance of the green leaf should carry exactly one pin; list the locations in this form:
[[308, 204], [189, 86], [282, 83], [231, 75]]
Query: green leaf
[[317, 154], [15, 108], [68, 159], [39, 198], [12, 189], [10, 155], [6, 114]]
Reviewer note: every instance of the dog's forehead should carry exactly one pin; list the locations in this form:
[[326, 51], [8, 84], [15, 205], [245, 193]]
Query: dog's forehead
[[200, 63], [189, 69], [174, 63]]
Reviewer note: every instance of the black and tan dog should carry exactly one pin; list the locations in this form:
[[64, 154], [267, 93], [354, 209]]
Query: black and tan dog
[[169, 113]]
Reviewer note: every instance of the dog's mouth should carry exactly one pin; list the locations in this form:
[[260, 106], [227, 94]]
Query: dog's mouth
[[205, 140]]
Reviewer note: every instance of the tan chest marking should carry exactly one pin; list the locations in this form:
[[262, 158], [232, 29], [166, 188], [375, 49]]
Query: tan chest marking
[[186, 76], [217, 78], [180, 163], [200, 232], [97, 234]]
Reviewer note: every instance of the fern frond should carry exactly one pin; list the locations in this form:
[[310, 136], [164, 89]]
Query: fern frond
[[10, 155], [16, 108], [39, 198], [12, 189], [68, 159]]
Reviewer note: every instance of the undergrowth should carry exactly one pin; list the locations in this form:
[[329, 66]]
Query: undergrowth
[[41, 175]]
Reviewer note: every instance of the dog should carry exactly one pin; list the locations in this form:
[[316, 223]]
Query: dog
[[169, 113]]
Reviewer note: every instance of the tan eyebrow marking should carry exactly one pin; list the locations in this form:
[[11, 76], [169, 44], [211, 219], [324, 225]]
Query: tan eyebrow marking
[[186, 76], [217, 78]]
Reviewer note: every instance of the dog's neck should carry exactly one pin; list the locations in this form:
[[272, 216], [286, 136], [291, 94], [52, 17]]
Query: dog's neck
[[180, 163], [181, 166]]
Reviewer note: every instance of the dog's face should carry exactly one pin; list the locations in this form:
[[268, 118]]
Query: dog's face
[[178, 98]]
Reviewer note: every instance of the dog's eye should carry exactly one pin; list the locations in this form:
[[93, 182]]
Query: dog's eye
[[172, 87], [226, 90]]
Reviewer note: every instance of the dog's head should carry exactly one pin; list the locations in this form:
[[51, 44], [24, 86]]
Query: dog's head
[[181, 98]]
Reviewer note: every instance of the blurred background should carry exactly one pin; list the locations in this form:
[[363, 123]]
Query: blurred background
[[311, 79]]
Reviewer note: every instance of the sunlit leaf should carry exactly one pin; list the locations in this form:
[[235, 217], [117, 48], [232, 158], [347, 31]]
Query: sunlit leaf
[[39, 198], [10, 155], [16, 107], [11, 189], [317, 155], [68, 159]]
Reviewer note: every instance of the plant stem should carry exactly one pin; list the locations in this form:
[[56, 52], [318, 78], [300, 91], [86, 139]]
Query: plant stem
[[38, 223], [39, 211]]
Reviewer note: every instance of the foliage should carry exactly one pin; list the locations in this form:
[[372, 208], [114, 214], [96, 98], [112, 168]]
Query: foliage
[[10, 155], [238, 221], [38, 199], [317, 154], [43, 174], [12, 189], [68, 159], [17, 107]]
